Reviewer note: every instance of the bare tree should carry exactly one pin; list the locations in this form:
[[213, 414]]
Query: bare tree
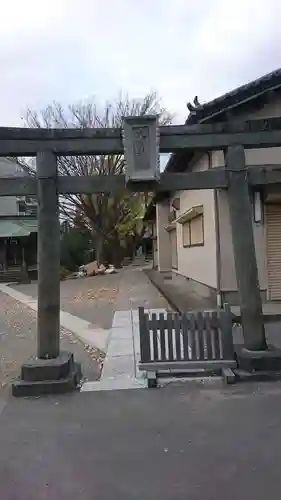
[[103, 214]]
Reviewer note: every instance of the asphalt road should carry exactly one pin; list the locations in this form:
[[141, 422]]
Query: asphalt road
[[180, 442]]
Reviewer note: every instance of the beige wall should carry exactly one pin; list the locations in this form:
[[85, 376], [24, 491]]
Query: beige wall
[[154, 247], [227, 270], [199, 263], [164, 261], [264, 156]]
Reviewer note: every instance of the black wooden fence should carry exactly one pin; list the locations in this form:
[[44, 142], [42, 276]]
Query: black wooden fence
[[192, 340]]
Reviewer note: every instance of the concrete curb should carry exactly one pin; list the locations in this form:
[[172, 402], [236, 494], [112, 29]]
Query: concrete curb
[[87, 332], [120, 369], [162, 289]]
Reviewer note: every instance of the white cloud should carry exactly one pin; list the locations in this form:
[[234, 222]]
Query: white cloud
[[66, 50]]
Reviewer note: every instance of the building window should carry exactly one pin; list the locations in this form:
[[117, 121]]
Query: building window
[[193, 232], [27, 206]]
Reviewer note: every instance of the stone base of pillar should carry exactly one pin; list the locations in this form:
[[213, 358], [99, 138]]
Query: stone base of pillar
[[258, 376], [259, 361], [48, 376], [24, 279]]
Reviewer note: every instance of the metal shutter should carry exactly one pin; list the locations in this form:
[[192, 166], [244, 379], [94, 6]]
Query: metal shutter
[[273, 236]]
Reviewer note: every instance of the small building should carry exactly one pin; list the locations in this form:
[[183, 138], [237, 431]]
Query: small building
[[192, 232], [18, 230]]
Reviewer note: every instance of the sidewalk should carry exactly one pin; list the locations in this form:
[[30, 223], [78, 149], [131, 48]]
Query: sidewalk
[[182, 298], [120, 369], [178, 292]]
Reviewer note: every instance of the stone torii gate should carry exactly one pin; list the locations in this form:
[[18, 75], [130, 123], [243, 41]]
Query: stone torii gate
[[140, 140]]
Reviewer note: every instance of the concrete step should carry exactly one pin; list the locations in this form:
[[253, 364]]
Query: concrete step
[[22, 388], [11, 275]]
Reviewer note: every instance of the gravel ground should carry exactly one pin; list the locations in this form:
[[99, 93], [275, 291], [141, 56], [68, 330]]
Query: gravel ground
[[95, 299], [92, 299], [18, 343], [137, 290]]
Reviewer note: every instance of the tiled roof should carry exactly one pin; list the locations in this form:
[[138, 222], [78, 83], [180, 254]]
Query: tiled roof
[[237, 96], [231, 99]]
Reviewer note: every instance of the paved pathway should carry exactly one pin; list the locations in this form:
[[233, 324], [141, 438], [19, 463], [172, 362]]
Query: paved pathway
[[120, 370], [121, 341]]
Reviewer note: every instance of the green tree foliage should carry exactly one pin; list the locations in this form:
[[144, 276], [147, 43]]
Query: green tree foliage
[[76, 248]]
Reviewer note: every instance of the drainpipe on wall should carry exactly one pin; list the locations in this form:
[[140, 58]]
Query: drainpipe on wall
[[217, 231]]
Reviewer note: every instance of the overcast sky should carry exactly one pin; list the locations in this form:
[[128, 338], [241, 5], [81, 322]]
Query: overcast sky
[[67, 50]]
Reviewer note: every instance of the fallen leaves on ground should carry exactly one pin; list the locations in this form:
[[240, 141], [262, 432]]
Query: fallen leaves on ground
[[103, 294], [18, 339], [94, 352]]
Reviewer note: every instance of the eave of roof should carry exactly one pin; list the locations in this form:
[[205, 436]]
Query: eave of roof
[[236, 97], [17, 227], [219, 105]]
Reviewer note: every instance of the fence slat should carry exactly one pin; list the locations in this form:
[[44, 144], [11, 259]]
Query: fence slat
[[170, 318], [208, 335], [144, 336], [189, 336], [177, 336], [184, 325], [154, 336], [158, 323], [226, 330], [192, 336], [200, 334], [216, 333], [162, 327]]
